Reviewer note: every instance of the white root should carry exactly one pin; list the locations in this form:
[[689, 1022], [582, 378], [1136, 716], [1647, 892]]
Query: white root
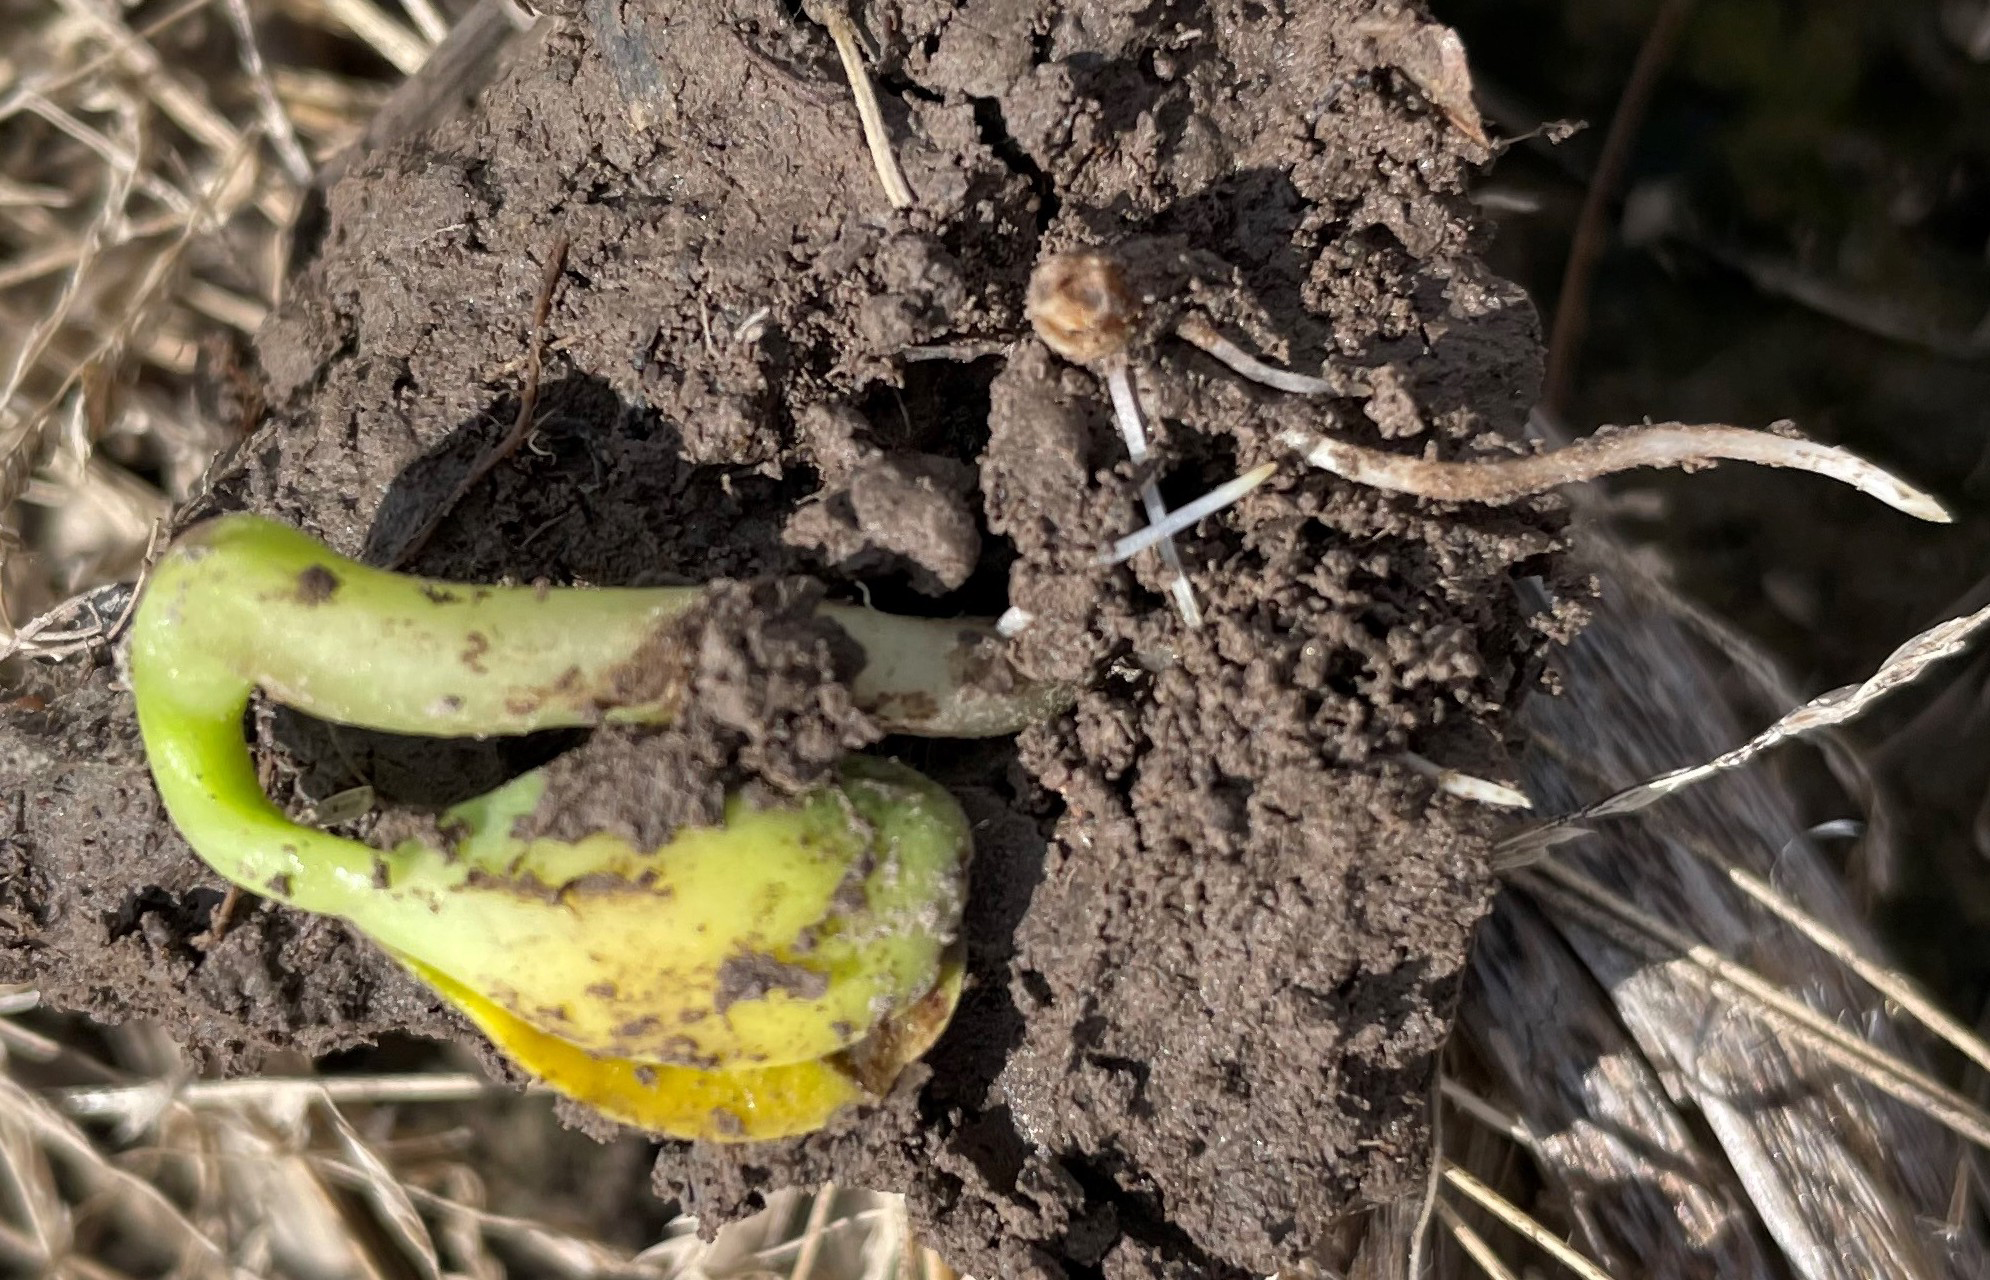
[[1670, 444], [1465, 786], [1014, 621]]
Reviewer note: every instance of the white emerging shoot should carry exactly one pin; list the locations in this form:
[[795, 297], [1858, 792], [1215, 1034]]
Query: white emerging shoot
[[1126, 410], [1181, 518]]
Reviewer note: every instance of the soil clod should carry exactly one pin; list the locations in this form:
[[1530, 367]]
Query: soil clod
[[1215, 931]]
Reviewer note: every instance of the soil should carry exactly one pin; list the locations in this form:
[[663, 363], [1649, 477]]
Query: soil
[[1216, 930]]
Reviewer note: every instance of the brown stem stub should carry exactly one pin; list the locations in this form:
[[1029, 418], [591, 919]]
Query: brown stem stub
[[1082, 307]]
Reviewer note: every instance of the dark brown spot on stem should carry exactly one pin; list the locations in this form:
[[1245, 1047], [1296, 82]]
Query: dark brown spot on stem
[[527, 886]]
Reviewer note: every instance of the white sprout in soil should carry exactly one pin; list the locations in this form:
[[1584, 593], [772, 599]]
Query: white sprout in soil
[[1014, 621], [1464, 785], [1181, 518], [1198, 332], [1126, 410], [1081, 307]]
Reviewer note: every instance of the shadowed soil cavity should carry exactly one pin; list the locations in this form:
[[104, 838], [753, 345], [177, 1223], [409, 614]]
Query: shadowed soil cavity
[[1216, 926]]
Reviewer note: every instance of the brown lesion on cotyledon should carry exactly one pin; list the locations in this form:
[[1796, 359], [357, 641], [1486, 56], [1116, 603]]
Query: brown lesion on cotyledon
[[606, 883], [638, 1030], [914, 706], [476, 645], [516, 880], [656, 677], [315, 585], [753, 975], [568, 689], [682, 1051]]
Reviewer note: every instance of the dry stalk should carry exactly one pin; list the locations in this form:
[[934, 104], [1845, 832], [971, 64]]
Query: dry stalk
[[175, 101], [22, 454], [1579, 897], [1521, 1222], [428, 20], [810, 1244], [401, 47], [90, 66], [276, 122], [18, 462], [834, 16], [1905, 665], [127, 1103], [1675, 991], [1486, 1115], [1473, 1244], [1897, 987]]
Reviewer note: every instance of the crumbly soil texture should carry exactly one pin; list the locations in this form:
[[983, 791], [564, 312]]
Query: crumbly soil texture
[[1216, 926]]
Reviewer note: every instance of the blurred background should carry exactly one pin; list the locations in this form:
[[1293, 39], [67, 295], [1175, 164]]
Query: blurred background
[[1795, 223]]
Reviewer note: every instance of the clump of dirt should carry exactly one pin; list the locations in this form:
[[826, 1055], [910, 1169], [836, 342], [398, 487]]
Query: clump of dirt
[[907, 512], [1215, 931], [767, 705]]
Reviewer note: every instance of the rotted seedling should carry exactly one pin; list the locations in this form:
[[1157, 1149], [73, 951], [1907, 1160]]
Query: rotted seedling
[[1083, 308], [739, 982]]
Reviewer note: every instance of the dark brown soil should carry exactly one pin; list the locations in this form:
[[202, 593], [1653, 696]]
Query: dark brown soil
[[1215, 931]]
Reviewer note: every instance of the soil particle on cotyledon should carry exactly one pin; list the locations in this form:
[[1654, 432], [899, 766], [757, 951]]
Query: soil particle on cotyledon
[[766, 704], [1213, 933]]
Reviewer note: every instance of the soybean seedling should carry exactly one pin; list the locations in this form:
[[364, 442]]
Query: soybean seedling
[[739, 982]]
